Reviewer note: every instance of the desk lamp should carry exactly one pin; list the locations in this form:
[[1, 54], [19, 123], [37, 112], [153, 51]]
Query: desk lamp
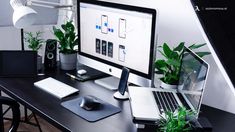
[[25, 16]]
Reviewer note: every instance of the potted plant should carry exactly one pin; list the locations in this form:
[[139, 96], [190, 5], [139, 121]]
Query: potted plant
[[67, 40], [35, 43], [181, 120], [169, 67]]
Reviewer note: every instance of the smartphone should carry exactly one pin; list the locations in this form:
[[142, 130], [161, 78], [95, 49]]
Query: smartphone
[[104, 24], [104, 47], [122, 53], [110, 49], [123, 80], [97, 47], [122, 28]]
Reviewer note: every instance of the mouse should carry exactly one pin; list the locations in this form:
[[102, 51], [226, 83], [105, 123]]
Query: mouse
[[89, 103], [81, 72]]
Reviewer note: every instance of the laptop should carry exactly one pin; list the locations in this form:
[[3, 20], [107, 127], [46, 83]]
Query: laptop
[[148, 104]]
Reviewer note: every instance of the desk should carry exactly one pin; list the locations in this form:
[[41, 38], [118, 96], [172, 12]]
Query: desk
[[49, 108]]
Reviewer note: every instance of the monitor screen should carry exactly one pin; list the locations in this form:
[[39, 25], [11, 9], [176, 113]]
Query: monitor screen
[[117, 35], [192, 79]]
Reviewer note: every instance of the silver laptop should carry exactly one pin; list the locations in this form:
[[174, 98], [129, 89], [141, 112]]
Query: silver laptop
[[149, 103]]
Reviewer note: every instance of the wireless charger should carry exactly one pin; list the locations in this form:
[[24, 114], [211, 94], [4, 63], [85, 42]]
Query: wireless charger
[[118, 95], [121, 93]]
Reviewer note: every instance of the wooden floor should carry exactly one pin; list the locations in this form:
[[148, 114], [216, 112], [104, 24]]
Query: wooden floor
[[23, 127]]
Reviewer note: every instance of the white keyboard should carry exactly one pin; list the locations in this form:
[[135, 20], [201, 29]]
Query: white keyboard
[[55, 87]]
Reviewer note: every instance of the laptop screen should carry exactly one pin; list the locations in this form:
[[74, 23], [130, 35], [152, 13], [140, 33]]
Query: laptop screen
[[192, 79]]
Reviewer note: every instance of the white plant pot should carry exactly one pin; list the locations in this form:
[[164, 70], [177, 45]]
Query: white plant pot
[[68, 61], [167, 86]]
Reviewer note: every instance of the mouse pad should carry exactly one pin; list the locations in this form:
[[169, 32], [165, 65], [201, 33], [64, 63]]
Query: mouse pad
[[104, 111]]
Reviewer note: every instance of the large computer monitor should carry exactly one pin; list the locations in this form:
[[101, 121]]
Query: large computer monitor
[[113, 36]]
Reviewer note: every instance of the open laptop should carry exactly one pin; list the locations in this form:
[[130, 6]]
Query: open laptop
[[149, 103]]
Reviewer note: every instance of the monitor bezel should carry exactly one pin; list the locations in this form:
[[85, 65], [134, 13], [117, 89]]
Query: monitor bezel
[[128, 8]]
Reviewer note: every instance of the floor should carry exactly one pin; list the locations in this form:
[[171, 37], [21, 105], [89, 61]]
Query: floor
[[23, 127]]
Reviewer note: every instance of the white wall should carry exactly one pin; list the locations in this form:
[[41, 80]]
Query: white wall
[[177, 22], [10, 38]]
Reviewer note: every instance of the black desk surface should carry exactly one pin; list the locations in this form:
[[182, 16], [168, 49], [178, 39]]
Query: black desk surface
[[49, 108]]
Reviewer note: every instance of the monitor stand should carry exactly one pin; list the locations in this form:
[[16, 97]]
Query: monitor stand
[[110, 83]]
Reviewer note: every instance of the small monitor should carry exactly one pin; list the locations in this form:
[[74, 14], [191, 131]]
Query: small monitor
[[18, 63], [113, 36]]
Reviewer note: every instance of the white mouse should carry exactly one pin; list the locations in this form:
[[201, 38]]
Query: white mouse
[[81, 72]]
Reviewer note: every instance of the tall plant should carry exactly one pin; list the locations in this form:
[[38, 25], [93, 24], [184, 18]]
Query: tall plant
[[34, 41], [66, 38], [169, 67]]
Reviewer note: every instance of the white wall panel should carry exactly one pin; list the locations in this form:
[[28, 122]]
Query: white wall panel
[[178, 22], [10, 38]]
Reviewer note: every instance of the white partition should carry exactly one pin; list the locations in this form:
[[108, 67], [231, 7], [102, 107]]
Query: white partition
[[10, 38], [178, 22]]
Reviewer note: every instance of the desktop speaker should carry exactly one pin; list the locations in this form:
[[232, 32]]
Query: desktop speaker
[[50, 54]]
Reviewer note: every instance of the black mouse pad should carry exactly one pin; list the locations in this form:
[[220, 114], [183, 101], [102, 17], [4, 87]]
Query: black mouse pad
[[104, 111]]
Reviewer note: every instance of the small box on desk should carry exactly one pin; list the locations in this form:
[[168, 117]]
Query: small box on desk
[[203, 125]]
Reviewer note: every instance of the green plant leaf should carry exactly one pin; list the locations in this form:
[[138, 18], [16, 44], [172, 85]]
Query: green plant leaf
[[167, 51], [174, 55], [160, 65], [173, 62], [175, 121], [159, 46], [63, 26], [58, 33], [201, 54], [180, 47], [162, 53], [66, 38], [159, 72], [34, 41], [196, 46], [171, 68]]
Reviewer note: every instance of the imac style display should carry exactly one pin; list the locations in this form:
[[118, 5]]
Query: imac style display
[[113, 36]]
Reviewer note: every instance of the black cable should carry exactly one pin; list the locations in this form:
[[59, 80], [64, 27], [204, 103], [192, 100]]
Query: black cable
[[22, 38]]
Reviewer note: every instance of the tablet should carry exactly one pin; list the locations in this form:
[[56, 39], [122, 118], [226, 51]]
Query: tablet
[[15, 63]]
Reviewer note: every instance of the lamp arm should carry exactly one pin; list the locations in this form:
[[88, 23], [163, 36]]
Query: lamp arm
[[47, 4]]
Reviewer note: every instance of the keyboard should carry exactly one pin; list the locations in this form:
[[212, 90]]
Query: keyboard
[[165, 101], [55, 87]]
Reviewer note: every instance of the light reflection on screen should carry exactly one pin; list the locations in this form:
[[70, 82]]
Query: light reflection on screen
[[192, 79]]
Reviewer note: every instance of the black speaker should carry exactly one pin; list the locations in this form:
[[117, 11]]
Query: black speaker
[[50, 54]]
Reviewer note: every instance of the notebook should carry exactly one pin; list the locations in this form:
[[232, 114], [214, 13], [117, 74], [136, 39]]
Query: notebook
[[55, 87], [91, 74], [150, 103]]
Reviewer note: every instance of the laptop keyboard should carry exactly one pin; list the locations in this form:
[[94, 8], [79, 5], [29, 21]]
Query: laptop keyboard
[[165, 101]]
